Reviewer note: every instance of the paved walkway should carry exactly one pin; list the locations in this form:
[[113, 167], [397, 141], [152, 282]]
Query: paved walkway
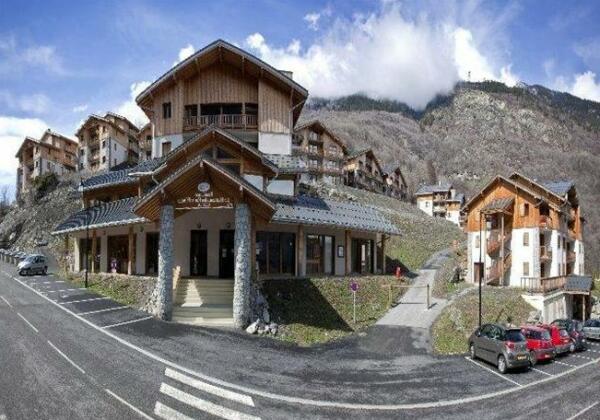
[[412, 309]]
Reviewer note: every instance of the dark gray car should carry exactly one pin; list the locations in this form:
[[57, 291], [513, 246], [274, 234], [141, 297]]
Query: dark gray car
[[591, 329], [504, 347]]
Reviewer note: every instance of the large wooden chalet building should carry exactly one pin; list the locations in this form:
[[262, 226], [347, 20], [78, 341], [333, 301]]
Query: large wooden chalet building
[[216, 193]]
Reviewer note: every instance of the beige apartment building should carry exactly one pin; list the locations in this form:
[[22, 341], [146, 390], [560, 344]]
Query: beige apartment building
[[52, 153]]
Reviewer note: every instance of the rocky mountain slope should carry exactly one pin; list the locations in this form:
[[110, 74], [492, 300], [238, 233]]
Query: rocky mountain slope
[[479, 131]]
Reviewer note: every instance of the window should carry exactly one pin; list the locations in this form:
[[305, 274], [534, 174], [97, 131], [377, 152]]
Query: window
[[166, 148], [166, 108], [525, 210], [558, 240], [115, 146], [525, 269], [320, 254], [103, 159], [104, 144], [191, 112], [526, 239], [427, 204], [275, 253]]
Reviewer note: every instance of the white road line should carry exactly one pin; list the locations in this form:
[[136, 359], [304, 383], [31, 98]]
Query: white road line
[[117, 308], [308, 401], [83, 300], [28, 323], [122, 401], [563, 363], [206, 406], [492, 371], [585, 410], [168, 413], [127, 322], [6, 301], [211, 389], [541, 371], [64, 290], [581, 357], [66, 357]]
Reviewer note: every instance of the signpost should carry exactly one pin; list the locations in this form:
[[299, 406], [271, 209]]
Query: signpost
[[354, 288]]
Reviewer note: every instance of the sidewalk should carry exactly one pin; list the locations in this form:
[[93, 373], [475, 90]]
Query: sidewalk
[[412, 310]]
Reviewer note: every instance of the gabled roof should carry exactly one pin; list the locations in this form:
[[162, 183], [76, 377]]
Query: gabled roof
[[322, 127], [114, 213], [99, 118], [213, 53], [369, 153], [121, 117], [120, 177], [26, 141], [55, 134], [560, 188], [517, 177], [430, 189]]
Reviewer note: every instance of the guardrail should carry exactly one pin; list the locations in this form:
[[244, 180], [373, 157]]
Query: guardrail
[[543, 284]]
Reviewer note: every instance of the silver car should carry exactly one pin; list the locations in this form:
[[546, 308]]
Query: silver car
[[501, 346], [33, 264], [591, 329]]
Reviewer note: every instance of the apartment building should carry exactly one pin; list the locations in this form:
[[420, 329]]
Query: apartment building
[[145, 142], [219, 197], [395, 183], [52, 153], [106, 142], [323, 152], [440, 200], [364, 171], [529, 234]]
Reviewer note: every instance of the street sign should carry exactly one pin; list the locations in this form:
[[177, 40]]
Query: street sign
[[354, 286]]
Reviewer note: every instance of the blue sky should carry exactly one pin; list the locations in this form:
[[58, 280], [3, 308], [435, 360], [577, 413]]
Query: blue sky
[[60, 61]]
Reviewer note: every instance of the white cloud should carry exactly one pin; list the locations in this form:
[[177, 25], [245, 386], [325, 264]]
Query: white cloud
[[585, 86], [385, 55], [184, 53], [14, 58], [313, 18], [36, 103], [130, 109], [12, 132], [80, 108]]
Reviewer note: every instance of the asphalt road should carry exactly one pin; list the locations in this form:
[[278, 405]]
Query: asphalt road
[[67, 353]]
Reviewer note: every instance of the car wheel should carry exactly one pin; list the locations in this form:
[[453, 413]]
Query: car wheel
[[472, 351], [22, 273], [532, 359], [572, 348], [45, 271], [501, 364]]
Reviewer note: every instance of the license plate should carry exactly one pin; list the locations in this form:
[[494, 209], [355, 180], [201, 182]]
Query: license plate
[[521, 357]]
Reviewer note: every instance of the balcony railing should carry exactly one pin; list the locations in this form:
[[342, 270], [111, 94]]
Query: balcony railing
[[438, 198], [244, 121], [545, 253], [439, 209], [543, 284]]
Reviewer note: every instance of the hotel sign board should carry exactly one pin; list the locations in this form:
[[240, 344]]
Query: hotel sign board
[[204, 199]]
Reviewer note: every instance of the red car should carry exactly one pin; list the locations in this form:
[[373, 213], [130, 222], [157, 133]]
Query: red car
[[560, 338], [539, 344]]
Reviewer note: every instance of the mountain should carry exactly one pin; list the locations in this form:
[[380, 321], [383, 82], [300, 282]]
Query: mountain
[[478, 131]]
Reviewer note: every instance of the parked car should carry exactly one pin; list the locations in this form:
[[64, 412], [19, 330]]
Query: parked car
[[504, 347], [33, 264], [591, 329], [539, 344], [560, 338], [575, 330], [41, 242]]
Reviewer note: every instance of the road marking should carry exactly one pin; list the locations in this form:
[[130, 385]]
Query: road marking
[[6, 301], [492, 371], [83, 300], [66, 357], [122, 401], [211, 389], [581, 357], [28, 323], [168, 413], [117, 308], [206, 406], [64, 290], [127, 322], [541, 371], [565, 364], [585, 410], [307, 401]]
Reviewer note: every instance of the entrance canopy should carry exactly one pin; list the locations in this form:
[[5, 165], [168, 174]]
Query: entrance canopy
[[200, 184]]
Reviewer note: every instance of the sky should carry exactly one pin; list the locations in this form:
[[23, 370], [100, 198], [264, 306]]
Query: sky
[[61, 61]]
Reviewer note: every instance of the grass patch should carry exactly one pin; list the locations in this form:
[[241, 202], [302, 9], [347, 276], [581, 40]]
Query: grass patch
[[596, 289], [126, 290], [319, 310], [453, 327]]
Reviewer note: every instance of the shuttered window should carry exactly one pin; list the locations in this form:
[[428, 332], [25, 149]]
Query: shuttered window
[[526, 239], [525, 269]]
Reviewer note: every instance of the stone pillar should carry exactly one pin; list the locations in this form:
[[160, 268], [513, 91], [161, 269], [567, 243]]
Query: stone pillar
[[94, 251], [301, 263], [383, 266], [130, 251], [242, 274], [163, 292], [347, 256]]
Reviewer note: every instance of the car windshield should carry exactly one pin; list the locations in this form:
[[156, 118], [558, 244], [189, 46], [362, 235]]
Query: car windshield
[[594, 323], [539, 335], [514, 335], [562, 323], [30, 258]]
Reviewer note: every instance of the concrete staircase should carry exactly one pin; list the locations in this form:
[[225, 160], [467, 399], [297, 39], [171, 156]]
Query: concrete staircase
[[203, 302]]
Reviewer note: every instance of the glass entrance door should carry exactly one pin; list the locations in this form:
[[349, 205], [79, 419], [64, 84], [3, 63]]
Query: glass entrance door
[[198, 253], [226, 254]]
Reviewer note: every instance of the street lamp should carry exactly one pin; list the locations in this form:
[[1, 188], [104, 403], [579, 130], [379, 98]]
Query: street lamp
[[87, 235], [481, 263]]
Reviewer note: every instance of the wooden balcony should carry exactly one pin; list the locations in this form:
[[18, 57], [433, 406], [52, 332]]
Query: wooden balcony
[[439, 209], [545, 253], [238, 121], [543, 284]]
